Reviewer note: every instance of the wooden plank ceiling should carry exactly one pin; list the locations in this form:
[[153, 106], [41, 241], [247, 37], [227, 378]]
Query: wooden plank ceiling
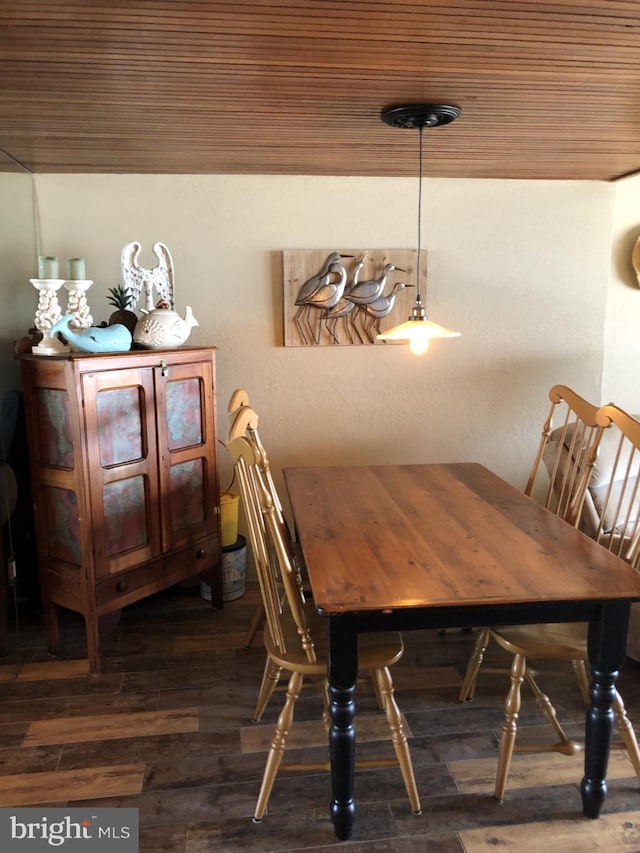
[[548, 90]]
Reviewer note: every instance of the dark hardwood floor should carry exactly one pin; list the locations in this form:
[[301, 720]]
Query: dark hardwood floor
[[166, 729]]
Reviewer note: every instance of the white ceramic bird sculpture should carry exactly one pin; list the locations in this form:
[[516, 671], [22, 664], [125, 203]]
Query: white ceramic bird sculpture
[[140, 280]]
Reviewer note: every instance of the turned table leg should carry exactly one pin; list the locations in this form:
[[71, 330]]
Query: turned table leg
[[343, 669], [607, 652]]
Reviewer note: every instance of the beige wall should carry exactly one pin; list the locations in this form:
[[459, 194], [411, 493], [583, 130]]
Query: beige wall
[[520, 268], [621, 374]]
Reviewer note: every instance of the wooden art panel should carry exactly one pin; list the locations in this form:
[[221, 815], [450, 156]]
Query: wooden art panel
[[125, 514], [120, 430], [62, 524], [184, 413], [347, 300], [187, 494], [54, 422]]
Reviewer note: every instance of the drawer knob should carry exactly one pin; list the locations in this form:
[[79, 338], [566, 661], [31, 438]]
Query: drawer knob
[[201, 554], [122, 586]]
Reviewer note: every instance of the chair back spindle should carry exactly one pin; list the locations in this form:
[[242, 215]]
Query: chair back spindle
[[243, 454], [244, 421], [568, 452], [615, 485], [282, 594], [278, 540]]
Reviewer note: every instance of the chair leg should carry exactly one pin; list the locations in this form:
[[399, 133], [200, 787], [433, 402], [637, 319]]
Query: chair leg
[[509, 725], [581, 674], [394, 719], [270, 679], [565, 745], [326, 717], [258, 619], [473, 667], [626, 732], [276, 751], [376, 690]]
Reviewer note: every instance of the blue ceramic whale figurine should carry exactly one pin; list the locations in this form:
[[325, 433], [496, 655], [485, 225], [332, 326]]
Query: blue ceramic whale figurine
[[116, 338]]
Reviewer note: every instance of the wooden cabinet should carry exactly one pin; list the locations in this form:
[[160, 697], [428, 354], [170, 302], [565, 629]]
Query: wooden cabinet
[[122, 451]]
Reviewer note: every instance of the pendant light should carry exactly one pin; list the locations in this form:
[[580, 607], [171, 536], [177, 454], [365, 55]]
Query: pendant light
[[418, 331]]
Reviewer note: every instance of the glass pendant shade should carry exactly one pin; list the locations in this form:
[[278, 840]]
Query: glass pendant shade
[[418, 331], [418, 334]]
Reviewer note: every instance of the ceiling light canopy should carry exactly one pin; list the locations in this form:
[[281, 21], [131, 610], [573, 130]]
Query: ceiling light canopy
[[418, 331]]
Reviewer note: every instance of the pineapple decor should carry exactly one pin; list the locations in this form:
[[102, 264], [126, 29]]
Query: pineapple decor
[[121, 298]]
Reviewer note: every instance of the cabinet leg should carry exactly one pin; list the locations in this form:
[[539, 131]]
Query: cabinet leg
[[50, 616], [214, 578], [93, 643]]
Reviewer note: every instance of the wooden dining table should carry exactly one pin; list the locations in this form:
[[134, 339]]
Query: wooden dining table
[[403, 547]]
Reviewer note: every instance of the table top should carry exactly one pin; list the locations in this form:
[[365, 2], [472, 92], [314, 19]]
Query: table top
[[438, 535]]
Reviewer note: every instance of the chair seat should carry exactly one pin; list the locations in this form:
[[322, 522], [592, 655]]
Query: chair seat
[[374, 650], [551, 641]]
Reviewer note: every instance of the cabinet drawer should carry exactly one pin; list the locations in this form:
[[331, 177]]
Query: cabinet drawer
[[136, 583]]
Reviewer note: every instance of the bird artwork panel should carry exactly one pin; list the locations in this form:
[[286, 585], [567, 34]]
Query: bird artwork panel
[[346, 297]]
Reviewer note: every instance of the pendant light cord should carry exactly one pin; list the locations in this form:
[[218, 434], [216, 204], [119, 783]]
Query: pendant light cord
[[418, 297]]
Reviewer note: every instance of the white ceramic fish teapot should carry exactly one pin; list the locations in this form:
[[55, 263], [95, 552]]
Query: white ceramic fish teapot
[[162, 327]]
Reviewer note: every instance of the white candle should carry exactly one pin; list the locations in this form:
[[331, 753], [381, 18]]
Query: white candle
[[76, 269], [47, 267]]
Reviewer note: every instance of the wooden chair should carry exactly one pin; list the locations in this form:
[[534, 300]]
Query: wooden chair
[[614, 522], [611, 511], [295, 636], [243, 418], [570, 431], [244, 421]]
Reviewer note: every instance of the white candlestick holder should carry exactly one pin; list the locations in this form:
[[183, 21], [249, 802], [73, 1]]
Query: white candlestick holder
[[47, 314], [77, 303]]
